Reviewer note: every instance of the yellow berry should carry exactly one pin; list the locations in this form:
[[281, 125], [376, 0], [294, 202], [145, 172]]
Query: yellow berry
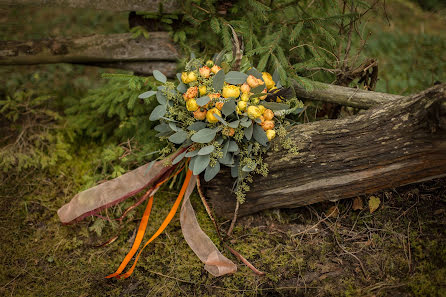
[[210, 115], [270, 134]]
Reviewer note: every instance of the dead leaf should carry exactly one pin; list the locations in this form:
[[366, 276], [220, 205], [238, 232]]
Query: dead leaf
[[374, 203], [357, 204], [332, 212]]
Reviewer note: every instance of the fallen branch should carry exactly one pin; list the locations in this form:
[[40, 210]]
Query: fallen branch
[[398, 143]]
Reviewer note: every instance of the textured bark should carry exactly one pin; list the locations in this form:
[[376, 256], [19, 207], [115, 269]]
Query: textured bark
[[90, 49], [345, 96], [168, 6], [143, 68], [398, 143]]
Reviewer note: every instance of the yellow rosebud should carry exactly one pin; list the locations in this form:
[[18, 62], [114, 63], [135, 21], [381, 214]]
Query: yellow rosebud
[[242, 105], [209, 63], [238, 110], [210, 115], [215, 69], [202, 90], [184, 78], [262, 108], [244, 97], [268, 125], [268, 114], [252, 81], [255, 100], [192, 76], [253, 112], [205, 71], [245, 88], [270, 134], [268, 80], [231, 91], [192, 105]]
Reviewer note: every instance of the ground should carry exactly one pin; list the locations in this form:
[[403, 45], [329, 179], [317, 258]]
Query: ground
[[327, 249]]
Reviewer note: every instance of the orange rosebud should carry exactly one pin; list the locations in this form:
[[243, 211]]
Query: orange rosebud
[[192, 92], [252, 81], [263, 97], [219, 105], [214, 95], [268, 114], [205, 71], [215, 69], [268, 125], [245, 88], [200, 114]]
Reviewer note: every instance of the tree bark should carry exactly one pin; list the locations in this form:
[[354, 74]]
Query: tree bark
[[397, 143], [90, 49], [344, 95], [168, 6], [143, 68]]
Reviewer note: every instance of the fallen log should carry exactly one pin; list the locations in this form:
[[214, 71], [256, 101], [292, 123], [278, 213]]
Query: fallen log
[[397, 143], [142, 68], [167, 6], [90, 49]]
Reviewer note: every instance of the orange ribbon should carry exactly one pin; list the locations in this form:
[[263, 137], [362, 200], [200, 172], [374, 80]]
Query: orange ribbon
[[143, 226]]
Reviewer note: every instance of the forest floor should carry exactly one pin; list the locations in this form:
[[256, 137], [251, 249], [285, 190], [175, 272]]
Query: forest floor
[[327, 249]]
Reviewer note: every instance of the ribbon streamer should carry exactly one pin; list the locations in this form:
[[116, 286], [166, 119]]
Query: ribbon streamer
[[215, 263]]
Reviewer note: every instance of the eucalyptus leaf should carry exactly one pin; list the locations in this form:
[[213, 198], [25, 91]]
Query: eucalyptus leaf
[[161, 98], [192, 154], [149, 167], [219, 80], [206, 150], [227, 160], [197, 126], [163, 127], [234, 171], [258, 89], [259, 135], [220, 119], [159, 76], [248, 168], [233, 147], [192, 163], [173, 126], [248, 131], [225, 149], [234, 124], [201, 162], [276, 78], [178, 137], [182, 88], [228, 107], [179, 77], [211, 172], [146, 94], [236, 77], [220, 140], [255, 73], [179, 158], [203, 100], [158, 112], [204, 135]]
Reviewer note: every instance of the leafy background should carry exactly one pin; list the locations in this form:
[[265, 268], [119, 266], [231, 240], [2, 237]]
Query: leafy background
[[92, 128]]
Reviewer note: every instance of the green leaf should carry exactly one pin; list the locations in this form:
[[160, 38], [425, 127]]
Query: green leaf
[[248, 168], [161, 98], [225, 149], [233, 147], [236, 77], [203, 100], [163, 127], [259, 135], [246, 123], [179, 158], [234, 124], [204, 135], [220, 119], [158, 112], [178, 137], [215, 25], [173, 126], [276, 106], [234, 171], [263, 61], [197, 126], [159, 76], [227, 160], [200, 164], [192, 154], [248, 131], [254, 72], [206, 150], [211, 172], [219, 80], [296, 31], [182, 88], [257, 90], [147, 94], [228, 107]]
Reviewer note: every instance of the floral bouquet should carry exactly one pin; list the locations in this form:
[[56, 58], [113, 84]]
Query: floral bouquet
[[212, 117]]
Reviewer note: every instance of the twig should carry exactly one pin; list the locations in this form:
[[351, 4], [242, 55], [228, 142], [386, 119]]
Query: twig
[[234, 219]]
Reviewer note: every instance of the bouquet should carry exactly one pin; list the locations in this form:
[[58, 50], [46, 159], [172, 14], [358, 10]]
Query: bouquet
[[212, 117]]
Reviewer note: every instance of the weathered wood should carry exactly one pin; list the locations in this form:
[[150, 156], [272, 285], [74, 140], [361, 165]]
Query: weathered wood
[[345, 96], [143, 68], [90, 49], [398, 143], [168, 6]]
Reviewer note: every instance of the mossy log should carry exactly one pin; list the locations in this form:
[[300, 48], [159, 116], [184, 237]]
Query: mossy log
[[398, 143], [90, 49], [167, 6]]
